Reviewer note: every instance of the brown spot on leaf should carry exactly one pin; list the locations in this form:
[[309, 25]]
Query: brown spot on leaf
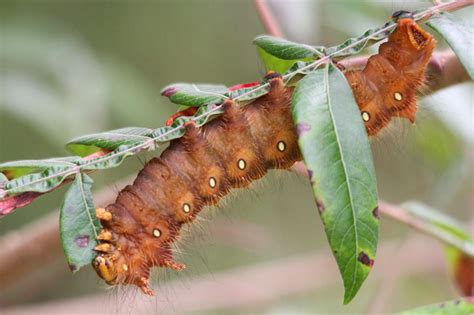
[[320, 205], [302, 128], [82, 240], [365, 259], [375, 212], [72, 267], [169, 92]]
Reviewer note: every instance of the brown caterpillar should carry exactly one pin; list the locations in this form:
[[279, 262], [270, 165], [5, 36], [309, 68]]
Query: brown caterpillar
[[387, 86], [233, 150]]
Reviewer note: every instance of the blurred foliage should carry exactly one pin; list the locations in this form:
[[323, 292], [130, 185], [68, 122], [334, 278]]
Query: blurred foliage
[[75, 67]]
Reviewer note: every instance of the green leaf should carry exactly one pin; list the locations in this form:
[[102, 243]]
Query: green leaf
[[3, 178], [44, 181], [459, 249], [109, 140], [459, 33], [336, 151], [276, 64], [189, 94], [287, 50], [446, 227], [78, 224], [461, 306], [17, 169], [250, 93], [355, 45]]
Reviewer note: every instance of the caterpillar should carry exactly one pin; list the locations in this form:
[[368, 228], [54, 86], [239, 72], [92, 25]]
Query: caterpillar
[[235, 149], [387, 86]]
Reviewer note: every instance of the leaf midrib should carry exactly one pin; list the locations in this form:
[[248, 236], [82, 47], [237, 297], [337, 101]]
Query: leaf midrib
[[328, 97]]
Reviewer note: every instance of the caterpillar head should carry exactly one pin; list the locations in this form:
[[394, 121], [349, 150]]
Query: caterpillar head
[[115, 269], [418, 38], [105, 268]]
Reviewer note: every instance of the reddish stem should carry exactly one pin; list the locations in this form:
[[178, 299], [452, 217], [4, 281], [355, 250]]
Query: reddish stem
[[271, 25]]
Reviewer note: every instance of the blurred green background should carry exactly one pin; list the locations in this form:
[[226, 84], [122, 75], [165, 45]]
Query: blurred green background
[[70, 68]]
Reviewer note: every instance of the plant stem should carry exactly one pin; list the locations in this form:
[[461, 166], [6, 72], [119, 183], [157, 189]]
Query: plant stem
[[271, 25]]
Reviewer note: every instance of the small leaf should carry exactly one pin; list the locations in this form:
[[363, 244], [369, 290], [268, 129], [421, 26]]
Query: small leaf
[[459, 244], [45, 181], [462, 306], [357, 44], [109, 140], [336, 151], [195, 94], [459, 33], [250, 93], [16, 169], [276, 64], [110, 160], [444, 228], [78, 224], [287, 50]]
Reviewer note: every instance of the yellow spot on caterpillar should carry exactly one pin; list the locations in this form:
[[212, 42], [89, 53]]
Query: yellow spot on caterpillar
[[241, 164], [365, 116], [281, 146], [398, 96], [212, 182], [125, 267], [156, 233], [186, 208]]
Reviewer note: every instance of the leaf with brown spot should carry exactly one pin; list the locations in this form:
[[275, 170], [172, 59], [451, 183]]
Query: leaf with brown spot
[[78, 224]]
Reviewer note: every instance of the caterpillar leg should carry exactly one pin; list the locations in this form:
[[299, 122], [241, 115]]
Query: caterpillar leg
[[143, 284], [174, 265], [103, 214]]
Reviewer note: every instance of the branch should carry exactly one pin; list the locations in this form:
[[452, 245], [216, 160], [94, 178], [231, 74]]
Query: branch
[[271, 25]]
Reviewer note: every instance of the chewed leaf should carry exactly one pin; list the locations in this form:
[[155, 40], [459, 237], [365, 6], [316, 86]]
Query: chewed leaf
[[336, 151], [109, 140], [460, 306], [78, 224], [189, 94], [355, 45], [15, 169], [459, 33], [287, 50]]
